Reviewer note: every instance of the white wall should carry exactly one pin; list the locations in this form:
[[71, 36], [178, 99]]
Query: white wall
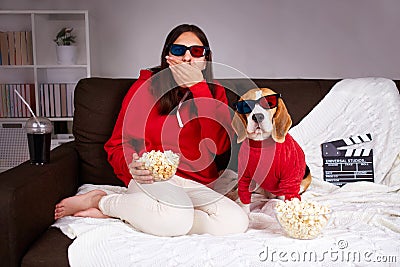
[[264, 39]]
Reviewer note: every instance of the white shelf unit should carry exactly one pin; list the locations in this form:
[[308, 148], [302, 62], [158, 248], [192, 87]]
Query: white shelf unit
[[44, 25]]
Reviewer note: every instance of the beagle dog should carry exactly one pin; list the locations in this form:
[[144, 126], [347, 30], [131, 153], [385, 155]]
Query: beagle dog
[[268, 156]]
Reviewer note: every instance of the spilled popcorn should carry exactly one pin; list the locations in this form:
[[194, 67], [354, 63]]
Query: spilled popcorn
[[163, 165], [302, 219]]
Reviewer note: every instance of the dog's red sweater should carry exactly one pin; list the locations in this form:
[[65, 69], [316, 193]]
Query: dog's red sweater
[[277, 167], [141, 128]]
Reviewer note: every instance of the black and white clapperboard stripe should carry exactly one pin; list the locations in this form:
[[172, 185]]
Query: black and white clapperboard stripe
[[342, 165]]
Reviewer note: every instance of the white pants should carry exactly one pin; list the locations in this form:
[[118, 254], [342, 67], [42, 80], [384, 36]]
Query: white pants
[[175, 207]]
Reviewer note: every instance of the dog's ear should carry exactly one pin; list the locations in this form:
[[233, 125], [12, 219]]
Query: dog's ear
[[281, 122], [239, 126]]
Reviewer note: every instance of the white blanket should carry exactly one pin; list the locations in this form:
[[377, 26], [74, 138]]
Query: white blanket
[[364, 231], [365, 227]]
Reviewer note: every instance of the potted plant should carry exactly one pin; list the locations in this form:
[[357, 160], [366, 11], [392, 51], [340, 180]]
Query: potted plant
[[66, 51]]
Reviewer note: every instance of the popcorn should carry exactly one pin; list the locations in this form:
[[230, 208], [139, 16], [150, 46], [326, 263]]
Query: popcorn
[[163, 165], [302, 219]]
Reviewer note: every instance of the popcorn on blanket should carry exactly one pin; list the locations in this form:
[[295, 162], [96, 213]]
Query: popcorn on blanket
[[302, 219]]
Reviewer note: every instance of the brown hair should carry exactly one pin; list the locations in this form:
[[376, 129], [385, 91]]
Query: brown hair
[[163, 84]]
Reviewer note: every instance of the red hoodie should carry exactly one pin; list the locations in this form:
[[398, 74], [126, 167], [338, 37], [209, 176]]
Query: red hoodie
[[278, 168], [140, 128]]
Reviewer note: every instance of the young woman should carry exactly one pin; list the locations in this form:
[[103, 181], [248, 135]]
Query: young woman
[[177, 107]]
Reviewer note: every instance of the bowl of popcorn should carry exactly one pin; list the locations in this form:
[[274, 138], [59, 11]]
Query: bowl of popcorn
[[163, 165], [302, 219]]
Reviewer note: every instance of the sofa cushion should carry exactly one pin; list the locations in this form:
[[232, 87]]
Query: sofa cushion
[[97, 104]]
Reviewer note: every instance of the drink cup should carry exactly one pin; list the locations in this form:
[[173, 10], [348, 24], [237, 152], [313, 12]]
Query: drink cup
[[39, 139]]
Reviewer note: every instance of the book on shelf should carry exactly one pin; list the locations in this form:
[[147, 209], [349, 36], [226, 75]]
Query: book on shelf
[[32, 97], [29, 47], [51, 100], [11, 48], [63, 96], [16, 48], [4, 48], [17, 87], [41, 100], [18, 52], [5, 100], [11, 105], [10, 100], [24, 50], [70, 99], [25, 112], [46, 102], [56, 100], [2, 101]]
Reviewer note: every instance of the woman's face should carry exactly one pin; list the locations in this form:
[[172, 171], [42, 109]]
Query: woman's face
[[188, 39]]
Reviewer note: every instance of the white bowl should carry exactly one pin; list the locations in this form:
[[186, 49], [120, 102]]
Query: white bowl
[[163, 165], [301, 225]]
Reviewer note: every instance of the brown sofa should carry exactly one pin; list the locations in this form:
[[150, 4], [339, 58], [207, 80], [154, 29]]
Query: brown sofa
[[28, 193]]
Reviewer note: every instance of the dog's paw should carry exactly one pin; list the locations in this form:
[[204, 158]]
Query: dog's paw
[[245, 207]]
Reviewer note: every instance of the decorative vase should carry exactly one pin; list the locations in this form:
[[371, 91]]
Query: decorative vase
[[66, 54]]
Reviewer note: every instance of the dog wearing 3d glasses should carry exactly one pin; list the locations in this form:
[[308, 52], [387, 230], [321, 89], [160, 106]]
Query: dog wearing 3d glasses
[[269, 156]]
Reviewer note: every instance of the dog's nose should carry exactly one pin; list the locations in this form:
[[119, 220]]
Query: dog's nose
[[258, 117]]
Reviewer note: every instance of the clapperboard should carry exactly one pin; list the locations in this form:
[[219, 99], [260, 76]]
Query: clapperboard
[[342, 165]]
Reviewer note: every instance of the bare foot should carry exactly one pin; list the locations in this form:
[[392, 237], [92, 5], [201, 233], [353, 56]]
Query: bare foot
[[72, 205], [92, 213]]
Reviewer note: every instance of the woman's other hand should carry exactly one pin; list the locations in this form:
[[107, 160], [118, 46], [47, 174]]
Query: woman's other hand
[[186, 74], [139, 174]]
